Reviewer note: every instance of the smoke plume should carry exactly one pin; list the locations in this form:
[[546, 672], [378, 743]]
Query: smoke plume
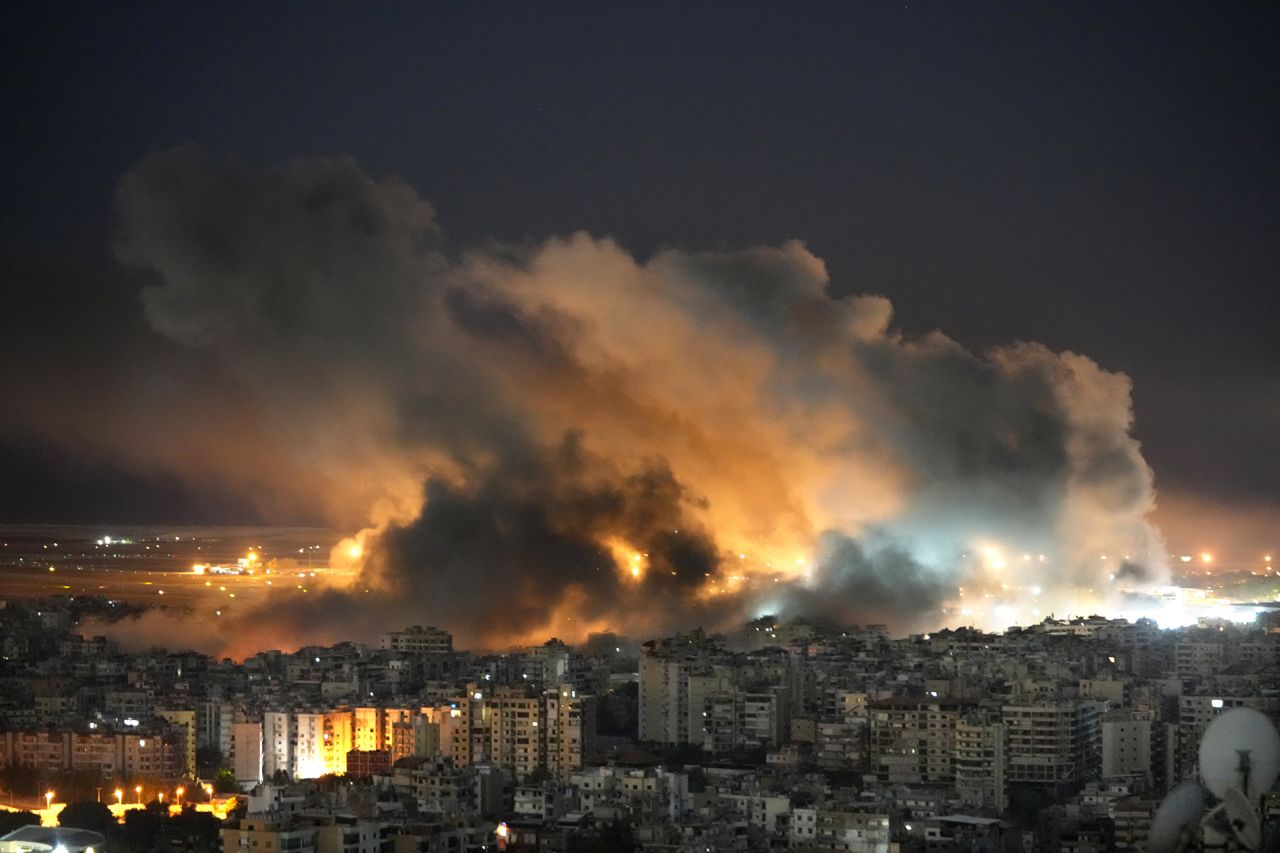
[[552, 439]]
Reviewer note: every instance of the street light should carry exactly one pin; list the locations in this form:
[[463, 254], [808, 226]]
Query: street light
[[138, 791], [119, 796], [208, 789], [48, 799], [180, 792]]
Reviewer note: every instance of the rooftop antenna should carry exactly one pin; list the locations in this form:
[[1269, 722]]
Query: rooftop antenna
[[1239, 761]]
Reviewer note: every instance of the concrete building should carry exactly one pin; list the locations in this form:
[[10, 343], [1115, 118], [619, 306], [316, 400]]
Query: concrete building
[[1051, 744], [913, 740], [418, 640], [980, 764], [677, 676], [1126, 744], [246, 752], [153, 755], [516, 727], [570, 730], [213, 726], [184, 720]]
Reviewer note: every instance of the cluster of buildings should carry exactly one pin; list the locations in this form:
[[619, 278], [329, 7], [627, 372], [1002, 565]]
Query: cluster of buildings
[[1061, 736]]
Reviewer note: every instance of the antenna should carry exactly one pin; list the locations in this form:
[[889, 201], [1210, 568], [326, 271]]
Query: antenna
[[1242, 820], [1241, 751], [1176, 820]]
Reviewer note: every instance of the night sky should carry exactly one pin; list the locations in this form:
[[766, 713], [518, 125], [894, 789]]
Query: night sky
[[1100, 178]]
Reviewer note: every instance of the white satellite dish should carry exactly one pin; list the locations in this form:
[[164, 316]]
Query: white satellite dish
[[1177, 819], [1242, 819], [1241, 750]]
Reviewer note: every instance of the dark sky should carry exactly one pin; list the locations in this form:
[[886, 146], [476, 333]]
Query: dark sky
[[1099, 177]]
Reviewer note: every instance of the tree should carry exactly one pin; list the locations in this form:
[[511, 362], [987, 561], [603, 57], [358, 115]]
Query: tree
[[141, 828], [225, 782], [199, 830], [209, 761], [538, 776], [87, 815], [9, 821], [21, 780]]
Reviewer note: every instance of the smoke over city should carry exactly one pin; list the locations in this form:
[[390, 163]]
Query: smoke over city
[[557, 438]]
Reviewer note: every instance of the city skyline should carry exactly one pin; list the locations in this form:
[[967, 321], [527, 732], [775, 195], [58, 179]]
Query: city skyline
[[664, 427]]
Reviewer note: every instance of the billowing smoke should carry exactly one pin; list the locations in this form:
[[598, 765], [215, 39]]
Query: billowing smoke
[[552, 439]]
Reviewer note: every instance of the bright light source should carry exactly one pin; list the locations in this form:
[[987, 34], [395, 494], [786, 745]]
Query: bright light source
[[1216, 703], [1206, 557]]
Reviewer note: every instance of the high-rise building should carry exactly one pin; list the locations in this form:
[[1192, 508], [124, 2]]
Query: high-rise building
[[1126, 744], [184, 720], [515, 721], [677, 676], [980, 763], [418, 640], [1052, 744], [570, 730], [246, 752], [913, 740]]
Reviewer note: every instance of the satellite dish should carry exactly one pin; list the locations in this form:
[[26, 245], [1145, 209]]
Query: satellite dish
[[1243, 820], [1177, 816], [1241, 750]]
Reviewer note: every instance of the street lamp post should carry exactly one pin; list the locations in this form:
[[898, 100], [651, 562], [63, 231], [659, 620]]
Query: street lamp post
[[119, 796], [180, 792], [138, 791], [48, 800]]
